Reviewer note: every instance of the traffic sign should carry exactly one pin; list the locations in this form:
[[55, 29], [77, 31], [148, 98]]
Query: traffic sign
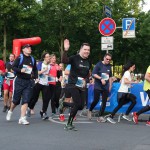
[[107, 26], [107, 11], [107, 47], [128, 27], [107, 39], [107, 43]]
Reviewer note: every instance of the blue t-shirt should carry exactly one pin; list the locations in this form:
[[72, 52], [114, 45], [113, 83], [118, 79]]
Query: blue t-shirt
[[68, 67], [103, 71]]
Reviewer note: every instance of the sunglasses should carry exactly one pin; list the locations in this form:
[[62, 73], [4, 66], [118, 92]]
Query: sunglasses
[[108, 59]]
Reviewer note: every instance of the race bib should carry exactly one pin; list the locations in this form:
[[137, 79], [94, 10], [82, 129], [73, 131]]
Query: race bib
[[10, 75], [51, 79], [42, 76], [105, 76], [28, 69], [80, 82]]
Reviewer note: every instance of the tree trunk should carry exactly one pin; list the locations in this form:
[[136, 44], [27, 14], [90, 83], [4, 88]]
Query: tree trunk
[[4, 46]]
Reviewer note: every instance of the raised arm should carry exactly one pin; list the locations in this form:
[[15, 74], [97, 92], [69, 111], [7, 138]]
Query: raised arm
[[65, 58]]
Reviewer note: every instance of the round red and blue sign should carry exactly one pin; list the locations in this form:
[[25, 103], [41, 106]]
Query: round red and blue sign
[[107, 26]]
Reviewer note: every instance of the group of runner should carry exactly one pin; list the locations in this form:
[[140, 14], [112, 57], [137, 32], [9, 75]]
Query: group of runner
[[66, 88]]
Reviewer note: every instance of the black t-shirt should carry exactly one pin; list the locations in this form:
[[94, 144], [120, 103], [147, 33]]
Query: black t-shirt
[[59, 73], [79, 68], [27, 60], [9, 66]]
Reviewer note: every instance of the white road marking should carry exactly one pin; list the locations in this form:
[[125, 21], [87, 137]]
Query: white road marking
[[75, 122]]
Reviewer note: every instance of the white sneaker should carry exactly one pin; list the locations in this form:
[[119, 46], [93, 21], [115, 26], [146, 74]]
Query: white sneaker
[[126, 118], [111, 120], [101, 119], [23, 121], [8, 116]]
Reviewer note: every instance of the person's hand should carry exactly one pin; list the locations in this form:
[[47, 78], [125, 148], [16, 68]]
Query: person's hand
[[103, 81], [23, 70], [45, 69], [36, 80], [136, 81], [66, 45], [11, 70]]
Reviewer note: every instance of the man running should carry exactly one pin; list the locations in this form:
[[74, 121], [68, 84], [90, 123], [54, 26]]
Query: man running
[[23, 83], [80, 66]]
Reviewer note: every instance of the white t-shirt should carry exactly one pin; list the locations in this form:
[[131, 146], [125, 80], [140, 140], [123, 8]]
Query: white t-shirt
[[125, 88], [44, 76]]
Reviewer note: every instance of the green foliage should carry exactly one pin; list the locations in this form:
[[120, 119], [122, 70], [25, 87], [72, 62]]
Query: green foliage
[[78, 21]]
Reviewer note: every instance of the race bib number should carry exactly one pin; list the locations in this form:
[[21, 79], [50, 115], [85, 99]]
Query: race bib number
[[28, 69], [10, 75], [42, 76], [80, 82], [105, 76], [51, 79]]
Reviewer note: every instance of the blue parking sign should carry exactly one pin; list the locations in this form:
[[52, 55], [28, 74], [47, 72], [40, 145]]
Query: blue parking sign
[[128, 24]]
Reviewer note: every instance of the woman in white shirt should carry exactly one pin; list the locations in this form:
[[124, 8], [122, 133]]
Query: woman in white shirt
[[42, 86], [124, 93]]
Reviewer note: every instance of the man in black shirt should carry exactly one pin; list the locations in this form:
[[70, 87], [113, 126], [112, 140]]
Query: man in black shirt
[[80, 66], [23, 83]]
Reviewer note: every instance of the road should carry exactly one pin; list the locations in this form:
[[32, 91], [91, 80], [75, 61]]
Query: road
[[91, 135]]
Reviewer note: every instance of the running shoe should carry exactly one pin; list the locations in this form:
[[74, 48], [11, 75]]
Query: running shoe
[[70, 127], [45, 116], [101, 119], [135, 118], [9, 115], [89, 115], [61, 117], [111, 120], [126, 117], [53, 115], [148, 123], [41, 113], [23, 121]]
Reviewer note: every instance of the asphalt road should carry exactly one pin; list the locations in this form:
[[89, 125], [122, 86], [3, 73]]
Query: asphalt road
[[91, 135]]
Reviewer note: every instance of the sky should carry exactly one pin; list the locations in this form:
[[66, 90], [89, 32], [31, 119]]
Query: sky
[[146, 7]]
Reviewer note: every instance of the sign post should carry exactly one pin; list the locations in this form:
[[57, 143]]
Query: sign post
[[128, 26], [107, 43], [107, 11], [107, 26]]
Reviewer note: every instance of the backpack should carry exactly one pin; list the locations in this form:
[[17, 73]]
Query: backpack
[[21, 60]]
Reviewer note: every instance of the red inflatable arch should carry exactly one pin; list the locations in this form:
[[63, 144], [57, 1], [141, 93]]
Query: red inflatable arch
[[18, 43]]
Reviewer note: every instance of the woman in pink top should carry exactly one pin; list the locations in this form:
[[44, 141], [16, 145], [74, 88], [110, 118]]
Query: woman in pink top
[[53, 78]]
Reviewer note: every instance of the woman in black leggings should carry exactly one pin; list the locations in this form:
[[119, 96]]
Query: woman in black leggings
[[124, 93], [42, 86]]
